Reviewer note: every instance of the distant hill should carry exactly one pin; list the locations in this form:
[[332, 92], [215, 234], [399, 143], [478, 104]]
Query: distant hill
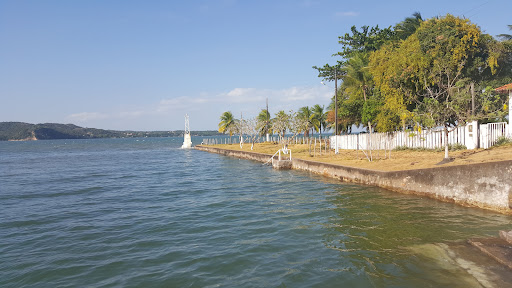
[[47, 131]]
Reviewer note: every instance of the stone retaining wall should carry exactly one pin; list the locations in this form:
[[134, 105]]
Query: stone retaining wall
[[484, 185]]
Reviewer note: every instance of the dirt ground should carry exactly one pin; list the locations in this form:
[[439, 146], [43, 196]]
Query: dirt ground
[[383, 160]]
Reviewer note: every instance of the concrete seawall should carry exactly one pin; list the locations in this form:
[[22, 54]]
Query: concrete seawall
[[484, 185]]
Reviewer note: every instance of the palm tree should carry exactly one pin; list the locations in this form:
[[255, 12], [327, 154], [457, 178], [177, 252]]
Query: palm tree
[[407, 27], [227, 124], [319, 118], [264, 125], [506, 37], [358, 79], [306, 114], [357, 74]]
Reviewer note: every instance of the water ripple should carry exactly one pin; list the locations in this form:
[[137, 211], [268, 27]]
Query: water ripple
[[129, 213]]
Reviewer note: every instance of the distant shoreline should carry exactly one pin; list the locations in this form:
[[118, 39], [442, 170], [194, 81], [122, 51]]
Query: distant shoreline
[[20, 131]]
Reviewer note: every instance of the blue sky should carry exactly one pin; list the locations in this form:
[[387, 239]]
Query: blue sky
[[141, 65]]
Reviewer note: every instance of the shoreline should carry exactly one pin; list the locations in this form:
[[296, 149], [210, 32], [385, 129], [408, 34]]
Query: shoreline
[[483, 185]]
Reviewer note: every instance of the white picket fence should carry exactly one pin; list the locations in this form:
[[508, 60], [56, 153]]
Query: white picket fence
[[489, 133], [430, 139]]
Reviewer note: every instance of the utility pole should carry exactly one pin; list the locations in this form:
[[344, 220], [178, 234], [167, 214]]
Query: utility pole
[[336, 111], [472, 99], [268, 120]]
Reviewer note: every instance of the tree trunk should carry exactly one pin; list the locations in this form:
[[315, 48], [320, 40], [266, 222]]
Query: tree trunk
[[404, 143], [370, 141], [446, 143]]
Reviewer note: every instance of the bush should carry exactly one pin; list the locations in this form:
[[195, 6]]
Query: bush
[[457, 146], [405, 148], [451, 147], [502, 140]]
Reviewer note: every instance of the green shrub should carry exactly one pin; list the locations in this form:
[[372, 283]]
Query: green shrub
[[502, 140], [457, 146], [451, 147], [405, 148]]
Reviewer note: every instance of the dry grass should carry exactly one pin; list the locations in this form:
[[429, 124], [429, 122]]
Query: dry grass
[[399, 160]]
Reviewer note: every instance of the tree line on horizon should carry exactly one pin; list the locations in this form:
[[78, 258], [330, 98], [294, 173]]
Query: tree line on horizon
[[438, 72], [48, 131]]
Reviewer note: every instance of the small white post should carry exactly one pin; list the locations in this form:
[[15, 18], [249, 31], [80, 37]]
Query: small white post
[[279, 154], [336, 144]]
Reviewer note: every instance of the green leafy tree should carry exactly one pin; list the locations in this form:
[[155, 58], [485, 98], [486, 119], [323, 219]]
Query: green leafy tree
[[227, 124], [306, 114], [395, 68], [318, 118], [365, 40], [264, 122], [358, 82], [431, 72], [446, 46]]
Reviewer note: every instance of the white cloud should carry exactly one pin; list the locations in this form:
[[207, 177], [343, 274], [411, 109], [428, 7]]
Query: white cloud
[[347, 14], [205, 108], [248, 100], [248, 95], [244, 95]]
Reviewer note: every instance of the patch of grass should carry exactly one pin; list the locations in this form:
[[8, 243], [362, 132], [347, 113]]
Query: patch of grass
[[503, 140], [456, 147], [405, 148], [451, 147], [402, 158]]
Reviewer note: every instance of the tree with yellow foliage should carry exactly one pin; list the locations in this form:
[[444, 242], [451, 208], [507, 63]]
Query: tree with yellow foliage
[[431, 72]]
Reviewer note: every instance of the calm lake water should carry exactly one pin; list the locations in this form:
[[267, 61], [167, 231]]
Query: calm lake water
[[144, 213]]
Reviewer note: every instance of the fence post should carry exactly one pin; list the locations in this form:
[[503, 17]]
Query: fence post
[[471, 135]]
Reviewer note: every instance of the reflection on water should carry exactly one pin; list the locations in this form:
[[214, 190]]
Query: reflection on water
[[405, 241]]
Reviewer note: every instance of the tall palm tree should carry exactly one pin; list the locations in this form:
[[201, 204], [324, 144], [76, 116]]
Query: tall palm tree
[[319, 118], [357, 74], [506, 37], [407, 27], [227, 123], [264, 122], [358, 79], [306, 114]]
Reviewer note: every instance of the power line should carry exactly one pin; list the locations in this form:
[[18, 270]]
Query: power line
[[476, 8]]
